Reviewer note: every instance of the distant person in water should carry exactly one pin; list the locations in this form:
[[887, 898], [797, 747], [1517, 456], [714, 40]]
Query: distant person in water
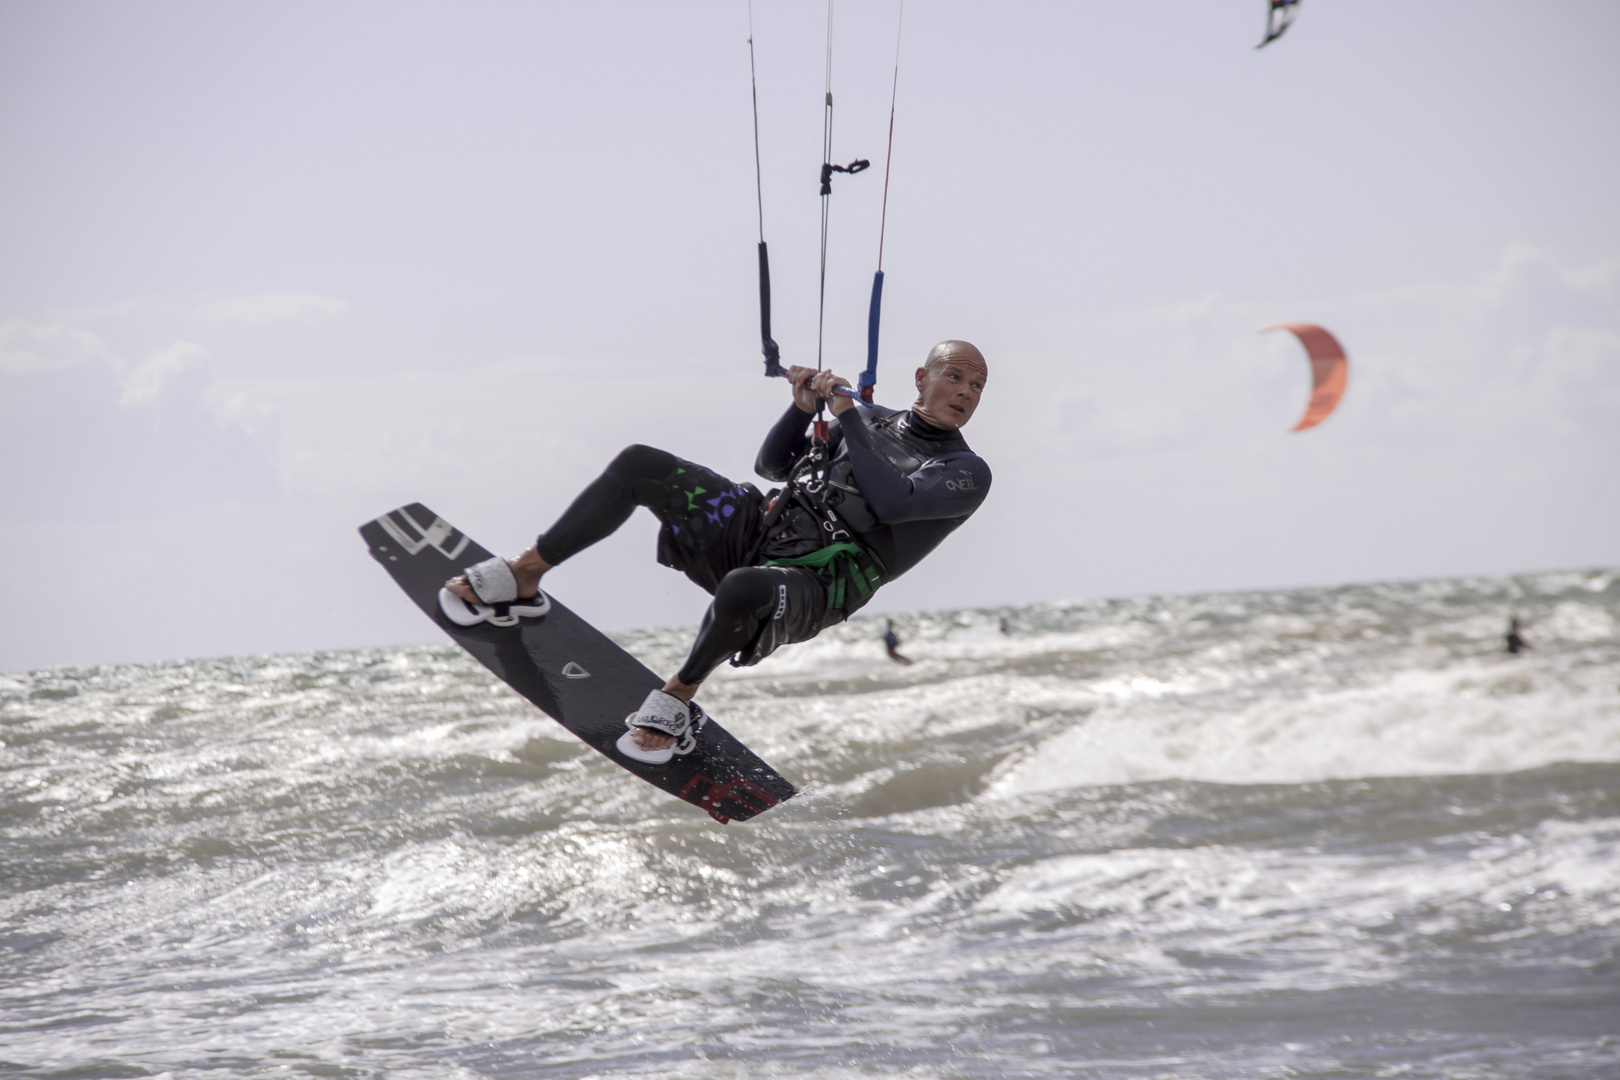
[[1515, 640], [891, 641], [854, 513]]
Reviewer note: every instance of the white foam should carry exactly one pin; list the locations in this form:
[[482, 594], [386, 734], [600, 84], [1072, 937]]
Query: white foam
[[1473, 718], [1241, 900], [1571, 621]]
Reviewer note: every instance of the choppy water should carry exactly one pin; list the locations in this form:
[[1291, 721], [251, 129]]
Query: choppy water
[[1319, 833]]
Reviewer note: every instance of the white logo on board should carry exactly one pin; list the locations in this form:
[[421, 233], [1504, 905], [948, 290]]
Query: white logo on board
[[435, 535], [574, 671]]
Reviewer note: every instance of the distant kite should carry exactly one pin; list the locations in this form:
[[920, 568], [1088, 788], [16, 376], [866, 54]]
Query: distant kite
[[1278, 16], [1330, 370]]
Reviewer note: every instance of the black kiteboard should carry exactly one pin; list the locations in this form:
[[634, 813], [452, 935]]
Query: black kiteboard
[[571, 671]]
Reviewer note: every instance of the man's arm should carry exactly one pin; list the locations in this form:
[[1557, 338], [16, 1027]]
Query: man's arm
[[787, 441], [949, 486], [784, 444]]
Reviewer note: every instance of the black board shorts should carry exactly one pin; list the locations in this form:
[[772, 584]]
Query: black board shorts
[[712, 526]]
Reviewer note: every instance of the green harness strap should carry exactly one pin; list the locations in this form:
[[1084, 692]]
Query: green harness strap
[[843, 561]]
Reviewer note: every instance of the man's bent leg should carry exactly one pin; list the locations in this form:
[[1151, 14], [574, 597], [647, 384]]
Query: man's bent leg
[[710, 525], [756, 609], [637, 477]]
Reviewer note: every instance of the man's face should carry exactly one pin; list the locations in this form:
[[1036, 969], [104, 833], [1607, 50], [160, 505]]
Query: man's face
[[948, 391]]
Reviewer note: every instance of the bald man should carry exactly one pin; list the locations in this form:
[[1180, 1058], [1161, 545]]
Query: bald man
[[853, 513]]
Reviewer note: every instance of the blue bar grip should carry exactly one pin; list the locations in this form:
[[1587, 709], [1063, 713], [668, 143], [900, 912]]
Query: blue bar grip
[[874, 316]]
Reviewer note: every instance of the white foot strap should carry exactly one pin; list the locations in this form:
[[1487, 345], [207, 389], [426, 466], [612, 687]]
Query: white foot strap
[[492, 581], [471, 613], [666, 714]]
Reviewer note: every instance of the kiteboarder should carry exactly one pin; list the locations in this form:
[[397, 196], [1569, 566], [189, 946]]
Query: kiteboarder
[[1514, 639], [858, 508], [891, 642]]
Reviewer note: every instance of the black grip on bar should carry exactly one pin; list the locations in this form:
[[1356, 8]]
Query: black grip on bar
[[773, 355]]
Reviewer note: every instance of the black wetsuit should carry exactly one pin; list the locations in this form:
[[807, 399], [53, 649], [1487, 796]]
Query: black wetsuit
[[888, 486]]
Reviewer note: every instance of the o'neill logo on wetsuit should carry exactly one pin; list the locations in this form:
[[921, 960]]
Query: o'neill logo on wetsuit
[[964, 484]]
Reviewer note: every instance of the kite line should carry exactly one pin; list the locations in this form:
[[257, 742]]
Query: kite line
[[773, 355], [868, 380], [768, 346], [773, 365]]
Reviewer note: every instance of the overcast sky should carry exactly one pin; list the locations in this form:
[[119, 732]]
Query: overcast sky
[[267, 271]]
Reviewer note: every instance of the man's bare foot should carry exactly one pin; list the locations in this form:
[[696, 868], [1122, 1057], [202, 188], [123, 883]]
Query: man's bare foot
[[527, 568], [647, 738]]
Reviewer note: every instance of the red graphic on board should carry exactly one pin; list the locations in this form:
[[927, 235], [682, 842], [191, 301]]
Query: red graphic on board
[[741, 789]]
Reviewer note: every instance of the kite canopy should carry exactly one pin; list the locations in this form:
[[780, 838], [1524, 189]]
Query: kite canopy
[[1330, 370], [1279, 15]]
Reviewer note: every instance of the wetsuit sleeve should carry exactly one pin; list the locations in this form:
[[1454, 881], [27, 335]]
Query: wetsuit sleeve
[[786, 442], [949, 486]]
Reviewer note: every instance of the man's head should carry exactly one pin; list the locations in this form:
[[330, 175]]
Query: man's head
[[949, 384]]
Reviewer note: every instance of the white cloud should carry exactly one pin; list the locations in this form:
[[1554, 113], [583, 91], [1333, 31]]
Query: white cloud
[[117, 310], [1528, 344], [28, 347], [351, 437], [273, 308], [1450, 364], [145, 380], [1145, 451]]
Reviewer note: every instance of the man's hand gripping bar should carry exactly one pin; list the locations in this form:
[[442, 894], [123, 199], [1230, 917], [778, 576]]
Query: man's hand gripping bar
[[842, 391]]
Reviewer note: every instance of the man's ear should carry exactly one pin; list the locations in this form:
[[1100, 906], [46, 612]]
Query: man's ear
[[922, 373]]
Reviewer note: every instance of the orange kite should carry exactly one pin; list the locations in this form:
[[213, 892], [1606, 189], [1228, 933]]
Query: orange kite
[[1330, 370]]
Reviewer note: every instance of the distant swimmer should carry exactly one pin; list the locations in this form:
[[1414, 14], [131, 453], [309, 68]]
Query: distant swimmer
[[1515, 639], [891, 641], [861, 505]]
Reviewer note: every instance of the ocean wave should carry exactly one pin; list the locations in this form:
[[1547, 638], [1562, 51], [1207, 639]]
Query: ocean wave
[[1114, 838]]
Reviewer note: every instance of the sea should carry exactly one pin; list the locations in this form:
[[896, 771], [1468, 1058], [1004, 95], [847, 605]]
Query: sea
[[1326, 832]]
